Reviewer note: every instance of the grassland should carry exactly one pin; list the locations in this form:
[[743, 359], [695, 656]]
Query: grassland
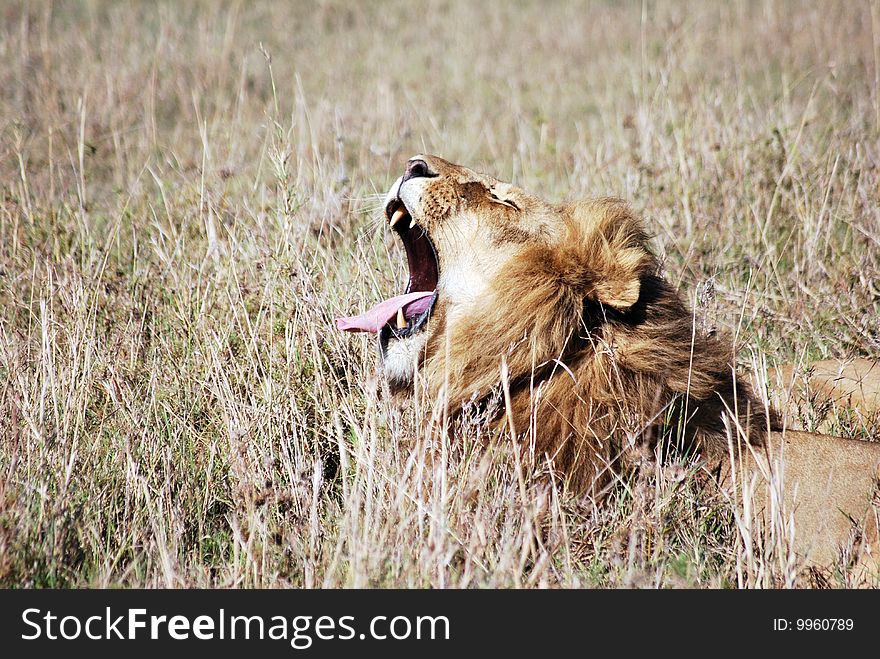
[[189, 194]]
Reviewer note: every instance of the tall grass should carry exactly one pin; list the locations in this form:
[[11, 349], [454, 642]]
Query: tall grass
[[190, 194]]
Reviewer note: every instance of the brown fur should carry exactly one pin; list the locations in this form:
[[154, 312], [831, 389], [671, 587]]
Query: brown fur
[[598, 348], [593, 302], [562, 308]]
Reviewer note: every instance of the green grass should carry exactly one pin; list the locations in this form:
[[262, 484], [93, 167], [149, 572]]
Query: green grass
[[189, 194]]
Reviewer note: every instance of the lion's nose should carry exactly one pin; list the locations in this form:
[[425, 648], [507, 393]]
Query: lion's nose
[[416, 168]]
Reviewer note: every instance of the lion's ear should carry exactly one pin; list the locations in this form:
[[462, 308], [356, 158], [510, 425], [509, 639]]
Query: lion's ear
[[610, 243], [618, 273], [619, 294]]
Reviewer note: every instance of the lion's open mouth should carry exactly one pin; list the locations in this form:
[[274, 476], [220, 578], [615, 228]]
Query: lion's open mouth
[[406, 314]]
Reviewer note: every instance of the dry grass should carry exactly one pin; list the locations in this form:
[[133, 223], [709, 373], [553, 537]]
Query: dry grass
[[188, 198]]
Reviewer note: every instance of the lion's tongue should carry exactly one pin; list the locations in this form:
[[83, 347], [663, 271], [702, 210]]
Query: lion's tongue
[[375, 319]]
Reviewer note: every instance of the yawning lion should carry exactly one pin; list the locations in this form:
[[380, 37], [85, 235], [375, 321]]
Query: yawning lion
[[560, 311]]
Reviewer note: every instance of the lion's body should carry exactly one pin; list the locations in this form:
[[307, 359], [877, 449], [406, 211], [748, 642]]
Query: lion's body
[[597, 346], [586, 370], [562, 308]]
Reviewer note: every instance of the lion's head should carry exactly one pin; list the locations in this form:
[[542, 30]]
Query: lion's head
[[560, 303]]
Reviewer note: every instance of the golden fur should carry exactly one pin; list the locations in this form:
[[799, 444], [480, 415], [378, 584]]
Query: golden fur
[[597, 346], [562, 308]]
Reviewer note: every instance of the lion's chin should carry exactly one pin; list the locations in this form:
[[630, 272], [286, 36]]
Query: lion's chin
[[400, 359]]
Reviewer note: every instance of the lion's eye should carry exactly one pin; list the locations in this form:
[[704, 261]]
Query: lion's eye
[[504, 202]]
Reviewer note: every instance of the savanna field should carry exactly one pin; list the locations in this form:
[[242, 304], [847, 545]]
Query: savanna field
[[191, 193]]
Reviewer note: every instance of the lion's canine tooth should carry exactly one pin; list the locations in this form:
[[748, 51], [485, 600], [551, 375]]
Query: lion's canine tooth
[[399, 214], [401, 319]]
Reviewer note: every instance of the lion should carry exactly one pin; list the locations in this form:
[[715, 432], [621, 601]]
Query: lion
[[560, 312]]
